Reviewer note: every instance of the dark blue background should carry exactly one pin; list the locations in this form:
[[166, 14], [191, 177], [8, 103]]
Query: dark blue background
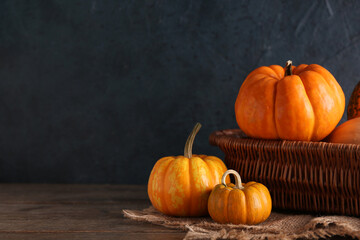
[[97, 91]]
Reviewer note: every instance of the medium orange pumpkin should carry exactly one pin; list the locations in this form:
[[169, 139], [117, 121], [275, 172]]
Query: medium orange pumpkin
[[181, 185], [295, 103], [348, 132], [248, 203], [353, 109]]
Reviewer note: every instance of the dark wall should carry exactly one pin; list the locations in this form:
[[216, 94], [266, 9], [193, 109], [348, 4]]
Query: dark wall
[[97, 91]]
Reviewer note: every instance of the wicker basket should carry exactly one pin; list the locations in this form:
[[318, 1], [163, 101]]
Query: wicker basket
[[315, 177]]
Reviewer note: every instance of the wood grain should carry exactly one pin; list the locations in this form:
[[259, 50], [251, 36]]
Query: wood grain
[[60, 211], [107, 236]]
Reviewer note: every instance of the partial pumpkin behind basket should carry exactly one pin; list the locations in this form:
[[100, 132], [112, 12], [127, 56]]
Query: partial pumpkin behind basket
[[348, 132], [353, 110]]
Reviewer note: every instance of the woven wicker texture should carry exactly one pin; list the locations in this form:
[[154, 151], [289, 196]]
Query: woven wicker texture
[[315, 177]]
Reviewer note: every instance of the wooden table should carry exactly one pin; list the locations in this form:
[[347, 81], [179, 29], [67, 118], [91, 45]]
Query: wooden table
[[59, 211], [44, 211]]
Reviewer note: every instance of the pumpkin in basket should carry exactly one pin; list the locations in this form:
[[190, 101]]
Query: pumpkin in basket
[[293, 103], [348, 132], [181, 185], [353, 109], [248, 203]]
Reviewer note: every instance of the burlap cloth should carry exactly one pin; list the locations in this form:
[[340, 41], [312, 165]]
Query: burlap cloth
[[277, 226]]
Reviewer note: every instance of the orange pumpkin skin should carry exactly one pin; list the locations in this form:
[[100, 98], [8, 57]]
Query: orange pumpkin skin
[[353, 110], [250, 205], [305, 105], [348, 132], [180, 186]]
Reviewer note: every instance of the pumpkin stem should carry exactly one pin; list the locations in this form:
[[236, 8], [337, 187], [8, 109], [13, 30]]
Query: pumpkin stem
[[288, 68], [238, 183], [190, 141]]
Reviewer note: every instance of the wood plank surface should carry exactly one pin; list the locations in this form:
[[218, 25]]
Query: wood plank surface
[[102, 236], [60, 211], [64, 211]]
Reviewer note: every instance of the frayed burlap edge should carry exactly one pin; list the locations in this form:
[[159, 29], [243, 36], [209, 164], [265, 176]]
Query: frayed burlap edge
[[205, 228], [200, 233]]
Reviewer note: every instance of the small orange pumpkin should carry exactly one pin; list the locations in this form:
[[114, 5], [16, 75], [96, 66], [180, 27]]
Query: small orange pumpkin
[[296, 103], [353, 109], [181, 185], [248, 203], [348, 132]]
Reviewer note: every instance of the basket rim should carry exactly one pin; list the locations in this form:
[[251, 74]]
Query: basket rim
[[236, 136]]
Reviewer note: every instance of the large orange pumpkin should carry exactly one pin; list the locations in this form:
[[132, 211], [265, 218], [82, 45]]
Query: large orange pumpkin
[[293, 103], [348, 132], [181, 185], [248, 203]]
